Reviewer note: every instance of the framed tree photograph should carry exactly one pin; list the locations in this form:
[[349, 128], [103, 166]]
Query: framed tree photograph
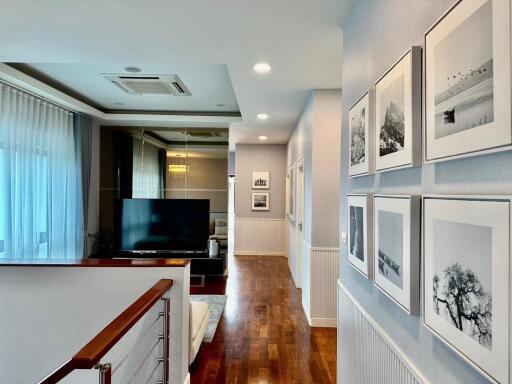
[[397, 249], [467, 81], [260, 201], [360, 234], [360, 120], [261, 180], [398, 114], [466, 281]]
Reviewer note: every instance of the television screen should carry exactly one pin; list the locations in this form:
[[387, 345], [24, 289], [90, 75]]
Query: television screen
[[164, 224]]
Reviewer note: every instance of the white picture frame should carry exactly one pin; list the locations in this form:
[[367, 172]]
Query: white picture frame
[[396, 256], [360, 233], [398, 114], [447, 136], [361, 125], [260, 180], [478, 226], [290, 192], [260, 201]]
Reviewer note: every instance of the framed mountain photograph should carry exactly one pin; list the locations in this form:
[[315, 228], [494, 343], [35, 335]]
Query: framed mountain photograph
[[360, 123], [397, 249], [398, 114], [360, 234], [261, 180], [467, 81], [466, 280]]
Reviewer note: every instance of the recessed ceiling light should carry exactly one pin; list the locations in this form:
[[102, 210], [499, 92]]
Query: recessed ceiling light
[[132, 69], [262, 116], [263, 138], [262, 68]]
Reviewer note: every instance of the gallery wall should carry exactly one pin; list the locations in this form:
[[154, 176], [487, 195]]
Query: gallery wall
[[375, 35], [260, 232]]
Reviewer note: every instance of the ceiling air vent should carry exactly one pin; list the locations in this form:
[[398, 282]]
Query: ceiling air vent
[[149, 84]]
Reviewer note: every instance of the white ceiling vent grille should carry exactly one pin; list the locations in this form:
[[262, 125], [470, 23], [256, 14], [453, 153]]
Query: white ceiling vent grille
[[149, 84]]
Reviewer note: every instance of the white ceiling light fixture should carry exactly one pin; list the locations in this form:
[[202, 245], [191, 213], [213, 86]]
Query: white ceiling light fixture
[[262, 138], [262, 116], [262, 68]]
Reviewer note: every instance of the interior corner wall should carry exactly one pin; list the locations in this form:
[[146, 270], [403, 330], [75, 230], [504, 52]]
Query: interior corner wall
[[260, 232], [376, 33]]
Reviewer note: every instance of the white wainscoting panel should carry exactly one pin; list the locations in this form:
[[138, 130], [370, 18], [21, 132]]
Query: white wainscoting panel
[[366, 354], [319, 276], [324, 275], [292, 251], [261, 237]]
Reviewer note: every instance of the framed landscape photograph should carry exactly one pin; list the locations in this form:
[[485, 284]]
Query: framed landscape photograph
[[398, 114], [397, 249], [360, 120], [260, 201], [261, 180], [467, 78], [360, 233], [290, 193], [466, 282]]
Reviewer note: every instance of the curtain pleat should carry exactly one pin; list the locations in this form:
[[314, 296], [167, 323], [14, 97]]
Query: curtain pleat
[[41, 213]]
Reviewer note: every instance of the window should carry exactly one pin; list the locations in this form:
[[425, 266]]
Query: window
[[41, 212]]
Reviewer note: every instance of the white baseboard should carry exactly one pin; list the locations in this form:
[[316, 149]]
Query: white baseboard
[[260, 253], [187, 379]]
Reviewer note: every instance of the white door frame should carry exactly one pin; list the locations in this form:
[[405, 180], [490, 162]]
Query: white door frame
[[299, 220]]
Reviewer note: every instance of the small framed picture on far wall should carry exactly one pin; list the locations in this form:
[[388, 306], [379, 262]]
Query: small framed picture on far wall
[[261, 180], [260, 201]]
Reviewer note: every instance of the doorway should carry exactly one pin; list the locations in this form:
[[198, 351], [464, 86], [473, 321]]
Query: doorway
[[299, 192]]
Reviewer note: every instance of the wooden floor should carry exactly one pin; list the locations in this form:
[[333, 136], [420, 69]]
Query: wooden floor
[[263, 336]]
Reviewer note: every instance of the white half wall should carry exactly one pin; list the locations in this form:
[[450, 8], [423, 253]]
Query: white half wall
[[261, 237], [292, 253]]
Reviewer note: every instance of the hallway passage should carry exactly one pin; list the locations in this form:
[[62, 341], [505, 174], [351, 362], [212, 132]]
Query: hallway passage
[[263, 336]]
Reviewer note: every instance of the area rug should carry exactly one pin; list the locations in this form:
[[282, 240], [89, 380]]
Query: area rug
[[216, 304]]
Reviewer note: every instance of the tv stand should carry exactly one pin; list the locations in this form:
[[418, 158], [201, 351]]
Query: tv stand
[[200, 263]]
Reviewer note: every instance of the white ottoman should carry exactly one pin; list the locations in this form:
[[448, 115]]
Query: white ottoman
[[199, 316]]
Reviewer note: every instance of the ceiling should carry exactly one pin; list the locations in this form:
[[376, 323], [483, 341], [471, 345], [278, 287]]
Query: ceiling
[[300, 39], [209, 84]]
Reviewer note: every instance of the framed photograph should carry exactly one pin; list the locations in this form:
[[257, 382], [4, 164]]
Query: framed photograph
[[360, 234], [397, 249], [260, 201], [261, 180], [361, 124], [466, 281], [398, 114], [467, 77], [290, 193]]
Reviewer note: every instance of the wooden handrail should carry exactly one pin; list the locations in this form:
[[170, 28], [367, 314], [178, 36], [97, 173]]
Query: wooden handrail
[[95, 349]]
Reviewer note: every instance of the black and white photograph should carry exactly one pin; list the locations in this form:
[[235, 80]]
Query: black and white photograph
[[462, 290], [390, 247], [466, 278], [260, 180], [360, 233], [467, 81], [260, 201], [357, 232], [357, 137], [392, 129], [464, 95]]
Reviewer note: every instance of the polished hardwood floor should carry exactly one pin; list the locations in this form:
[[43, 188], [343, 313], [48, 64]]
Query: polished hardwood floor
[[263, 336]]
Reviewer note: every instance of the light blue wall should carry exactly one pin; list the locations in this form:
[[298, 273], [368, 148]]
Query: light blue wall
[[375, 34]]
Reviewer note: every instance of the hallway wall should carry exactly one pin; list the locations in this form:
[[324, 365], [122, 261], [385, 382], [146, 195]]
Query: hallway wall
[[376, 33]]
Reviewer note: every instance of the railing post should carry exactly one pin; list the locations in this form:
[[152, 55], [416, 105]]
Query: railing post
[[165, 344], [105, 373]]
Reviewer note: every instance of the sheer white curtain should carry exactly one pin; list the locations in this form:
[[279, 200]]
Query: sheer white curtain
[[146, 171], [41, 213]]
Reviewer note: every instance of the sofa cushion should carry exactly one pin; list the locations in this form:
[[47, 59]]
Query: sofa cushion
[[221, 227], [198, 312]]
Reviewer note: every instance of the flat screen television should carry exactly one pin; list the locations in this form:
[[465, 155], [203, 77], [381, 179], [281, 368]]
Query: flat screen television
[[164, 224]]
